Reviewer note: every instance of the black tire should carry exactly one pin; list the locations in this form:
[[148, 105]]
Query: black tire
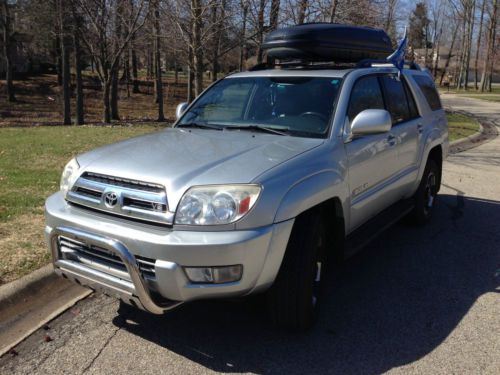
[[426, 195], [293, 300]]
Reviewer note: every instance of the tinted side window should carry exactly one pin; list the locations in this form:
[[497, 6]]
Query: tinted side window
[[395, 96], [365, 94], [429, 90], [411, 102]]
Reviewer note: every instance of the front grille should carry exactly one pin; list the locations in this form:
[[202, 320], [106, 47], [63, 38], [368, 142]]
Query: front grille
[[89, 192], [123, 182], [128, 198], [102, 259], [147, 266]]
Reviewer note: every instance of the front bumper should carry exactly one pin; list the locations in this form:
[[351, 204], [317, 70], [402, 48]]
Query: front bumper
[[260, 251]]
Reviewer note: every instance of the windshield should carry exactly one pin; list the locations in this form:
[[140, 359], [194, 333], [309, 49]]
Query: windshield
[[300, 106]]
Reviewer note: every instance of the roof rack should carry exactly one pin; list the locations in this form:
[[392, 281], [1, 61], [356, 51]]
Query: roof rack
[[306, 64]]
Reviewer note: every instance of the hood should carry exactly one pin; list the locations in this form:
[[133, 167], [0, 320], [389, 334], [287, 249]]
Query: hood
[[181, 158]]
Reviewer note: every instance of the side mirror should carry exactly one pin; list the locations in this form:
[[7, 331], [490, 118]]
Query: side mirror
[[371, 121], [180, 109]]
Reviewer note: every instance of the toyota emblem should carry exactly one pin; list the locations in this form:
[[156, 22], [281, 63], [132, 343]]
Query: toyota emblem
[[110, 199]]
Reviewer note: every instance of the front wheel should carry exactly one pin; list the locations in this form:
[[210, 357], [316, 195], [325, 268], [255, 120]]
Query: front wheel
[[294, 298], [425, 197]]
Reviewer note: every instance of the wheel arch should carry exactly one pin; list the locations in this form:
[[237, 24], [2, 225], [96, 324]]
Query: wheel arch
[[326, 195]]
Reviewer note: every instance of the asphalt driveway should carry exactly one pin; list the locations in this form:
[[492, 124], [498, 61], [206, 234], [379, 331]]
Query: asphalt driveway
[[417, 300]]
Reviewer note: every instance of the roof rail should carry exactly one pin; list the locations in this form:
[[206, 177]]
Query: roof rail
[[374, 63]]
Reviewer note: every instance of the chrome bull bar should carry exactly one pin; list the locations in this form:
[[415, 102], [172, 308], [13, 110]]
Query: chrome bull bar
[[135, 292]]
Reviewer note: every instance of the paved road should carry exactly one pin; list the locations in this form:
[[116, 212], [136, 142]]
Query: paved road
[[417, 300]]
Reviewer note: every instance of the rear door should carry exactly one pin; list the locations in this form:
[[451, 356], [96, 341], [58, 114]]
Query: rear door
[[406, 127], [372, 158]]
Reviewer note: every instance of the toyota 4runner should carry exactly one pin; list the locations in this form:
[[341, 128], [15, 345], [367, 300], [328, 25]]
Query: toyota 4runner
[[267, 179]]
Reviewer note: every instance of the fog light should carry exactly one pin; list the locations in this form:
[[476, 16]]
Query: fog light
[[214, 275]]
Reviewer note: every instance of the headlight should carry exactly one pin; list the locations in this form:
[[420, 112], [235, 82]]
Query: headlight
[[216, 204], [68, 175]]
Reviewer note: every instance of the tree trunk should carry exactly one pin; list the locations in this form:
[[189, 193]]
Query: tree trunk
[[273, 16], [260, 31], [66, 73], [197, 47], [479, 35], [158, 82], [176, 70], [217, 21], [190, 76], [302, 12], [115, 70], [333, 10], [7, 50], [470, 31], [450, 52], [133, 54], [462, 52], [114, 95], [490, 51], [135, 79], [243, 42], [79, 82], [106, 103]]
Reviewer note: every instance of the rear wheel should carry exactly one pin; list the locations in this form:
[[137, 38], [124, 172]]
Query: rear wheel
[[295, 296], [425, 197]]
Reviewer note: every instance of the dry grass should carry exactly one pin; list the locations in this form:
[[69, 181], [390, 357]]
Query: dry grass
[[22, 246]]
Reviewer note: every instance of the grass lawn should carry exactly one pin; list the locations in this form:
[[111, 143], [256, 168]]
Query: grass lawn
[[461, 126], [493, 96], [31, 162]]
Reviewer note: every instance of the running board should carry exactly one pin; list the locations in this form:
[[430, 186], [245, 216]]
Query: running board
[[375, 226]]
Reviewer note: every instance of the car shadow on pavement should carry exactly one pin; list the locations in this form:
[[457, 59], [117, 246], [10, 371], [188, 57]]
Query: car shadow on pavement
[[395, 302]]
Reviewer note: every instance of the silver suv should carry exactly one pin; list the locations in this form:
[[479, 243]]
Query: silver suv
[[265, 181]]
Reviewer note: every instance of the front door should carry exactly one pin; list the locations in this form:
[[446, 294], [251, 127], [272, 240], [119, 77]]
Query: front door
[[373, 159]]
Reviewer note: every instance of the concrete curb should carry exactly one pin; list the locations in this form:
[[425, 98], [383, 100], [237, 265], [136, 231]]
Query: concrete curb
[[487, 132], [11, 291], [470, 138], [27, 304]]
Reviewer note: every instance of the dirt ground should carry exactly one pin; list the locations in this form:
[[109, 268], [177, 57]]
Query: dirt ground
[[39, 102]]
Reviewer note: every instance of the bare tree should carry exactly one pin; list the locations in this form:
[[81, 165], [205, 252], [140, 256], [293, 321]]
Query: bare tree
[[302, 11], [8, 42], [274, 14], [260, 30], [244, 4], [486, 77], [77, 30], [333, 10], [157, 47], [479, 36], [65, 39], [101, 43]]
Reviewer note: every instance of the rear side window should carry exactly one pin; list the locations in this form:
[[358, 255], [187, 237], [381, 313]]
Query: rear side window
[[426, 84], [395, 97], [411, 102], [366, 94]]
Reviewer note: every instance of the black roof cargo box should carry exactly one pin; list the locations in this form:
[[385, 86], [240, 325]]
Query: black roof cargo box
[[328, 42]]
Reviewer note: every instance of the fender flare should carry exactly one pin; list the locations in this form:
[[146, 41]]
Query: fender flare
[[433, 140], [310, 192]]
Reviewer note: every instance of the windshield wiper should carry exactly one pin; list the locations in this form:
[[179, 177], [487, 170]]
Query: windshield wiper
[[199, 125], [265, 129]]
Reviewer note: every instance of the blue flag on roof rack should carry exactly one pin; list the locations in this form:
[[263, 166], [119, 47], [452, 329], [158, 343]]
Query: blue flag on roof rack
[[398, 56]]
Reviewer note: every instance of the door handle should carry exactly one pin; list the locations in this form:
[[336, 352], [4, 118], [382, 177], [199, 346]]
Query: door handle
[[391, 139], [420, 128]]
